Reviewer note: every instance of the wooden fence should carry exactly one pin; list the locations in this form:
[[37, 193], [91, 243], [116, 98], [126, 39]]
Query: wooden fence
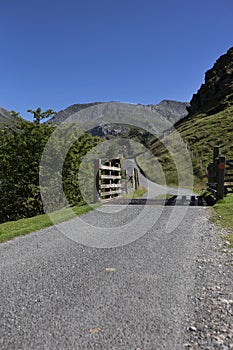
[[220, 175], [107, 179], [111, 180]]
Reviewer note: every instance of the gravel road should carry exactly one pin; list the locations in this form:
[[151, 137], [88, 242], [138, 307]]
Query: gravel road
[[58, 294], [211, 322]]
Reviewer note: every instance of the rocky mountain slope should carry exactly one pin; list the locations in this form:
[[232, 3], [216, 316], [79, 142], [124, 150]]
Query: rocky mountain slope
[[66, 113], [111, 118], [208, 123], [216, 93], [5, 116], [108, 118]]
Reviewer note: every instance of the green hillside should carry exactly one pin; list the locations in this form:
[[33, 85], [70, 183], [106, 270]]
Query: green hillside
[[209, 123]]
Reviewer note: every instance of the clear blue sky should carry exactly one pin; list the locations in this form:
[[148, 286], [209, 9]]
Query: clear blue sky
[[55, 53]]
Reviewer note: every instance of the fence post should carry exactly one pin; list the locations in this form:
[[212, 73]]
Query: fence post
[[136, 179], [216, 153], [210, 171], [96, 165], [221, 177]]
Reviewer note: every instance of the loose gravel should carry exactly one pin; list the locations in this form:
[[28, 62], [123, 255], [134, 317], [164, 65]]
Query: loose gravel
[[210, 326]]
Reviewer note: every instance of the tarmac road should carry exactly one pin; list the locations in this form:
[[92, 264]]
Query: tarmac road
[[153, 189], [59, 294]]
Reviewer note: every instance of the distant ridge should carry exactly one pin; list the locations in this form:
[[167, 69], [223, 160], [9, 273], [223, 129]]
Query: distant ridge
[[165, 111], [62, 115]]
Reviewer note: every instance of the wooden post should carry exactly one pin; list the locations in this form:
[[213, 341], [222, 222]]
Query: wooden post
[[118, 165], [126, 180], [210, 169], [96, 165], [216, 153], [221, 177], [136, 179]]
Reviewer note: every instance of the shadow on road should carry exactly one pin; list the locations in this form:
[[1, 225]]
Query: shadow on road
[[173, 201]]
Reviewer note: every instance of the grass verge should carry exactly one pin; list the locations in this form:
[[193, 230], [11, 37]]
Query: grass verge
[[136, 193], [12, 229], [223, 215]]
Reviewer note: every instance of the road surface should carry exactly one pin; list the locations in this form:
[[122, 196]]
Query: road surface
[[56, 293], [153, 189]]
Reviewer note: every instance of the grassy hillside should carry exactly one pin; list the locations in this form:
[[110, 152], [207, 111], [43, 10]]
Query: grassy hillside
[[209, 123], [201, 133]]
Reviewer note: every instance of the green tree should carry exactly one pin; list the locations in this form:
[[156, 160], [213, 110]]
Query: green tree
[[74, 178], [21, 147], [38, 115]]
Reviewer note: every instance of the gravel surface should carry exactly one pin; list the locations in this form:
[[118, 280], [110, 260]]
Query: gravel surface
[[58, 294], [211, 321]]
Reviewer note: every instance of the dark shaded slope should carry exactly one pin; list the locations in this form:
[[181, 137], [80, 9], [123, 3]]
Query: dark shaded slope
[[216, 93]]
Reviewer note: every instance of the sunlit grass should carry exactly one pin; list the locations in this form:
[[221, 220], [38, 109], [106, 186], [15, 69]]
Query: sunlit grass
[[223, 214], [136, 193], [200, 133], [11, 229]]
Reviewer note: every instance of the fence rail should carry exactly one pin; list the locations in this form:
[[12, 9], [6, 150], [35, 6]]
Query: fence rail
[[111, 180], [107, 179]]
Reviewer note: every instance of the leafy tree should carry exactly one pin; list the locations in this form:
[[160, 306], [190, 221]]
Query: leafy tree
[[14, 114], [76, 178], [38, 115], [73, 179], [21, 148]]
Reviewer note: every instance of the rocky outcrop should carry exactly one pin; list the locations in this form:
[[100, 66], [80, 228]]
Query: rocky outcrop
[[172, 110], [217, 92]]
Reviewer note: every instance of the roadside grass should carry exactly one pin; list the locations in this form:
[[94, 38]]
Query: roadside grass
[[12, 229], [222, 214], [136, 193]]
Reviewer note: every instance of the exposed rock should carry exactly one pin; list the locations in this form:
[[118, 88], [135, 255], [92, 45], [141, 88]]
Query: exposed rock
[[217, 91], [173, 110]]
